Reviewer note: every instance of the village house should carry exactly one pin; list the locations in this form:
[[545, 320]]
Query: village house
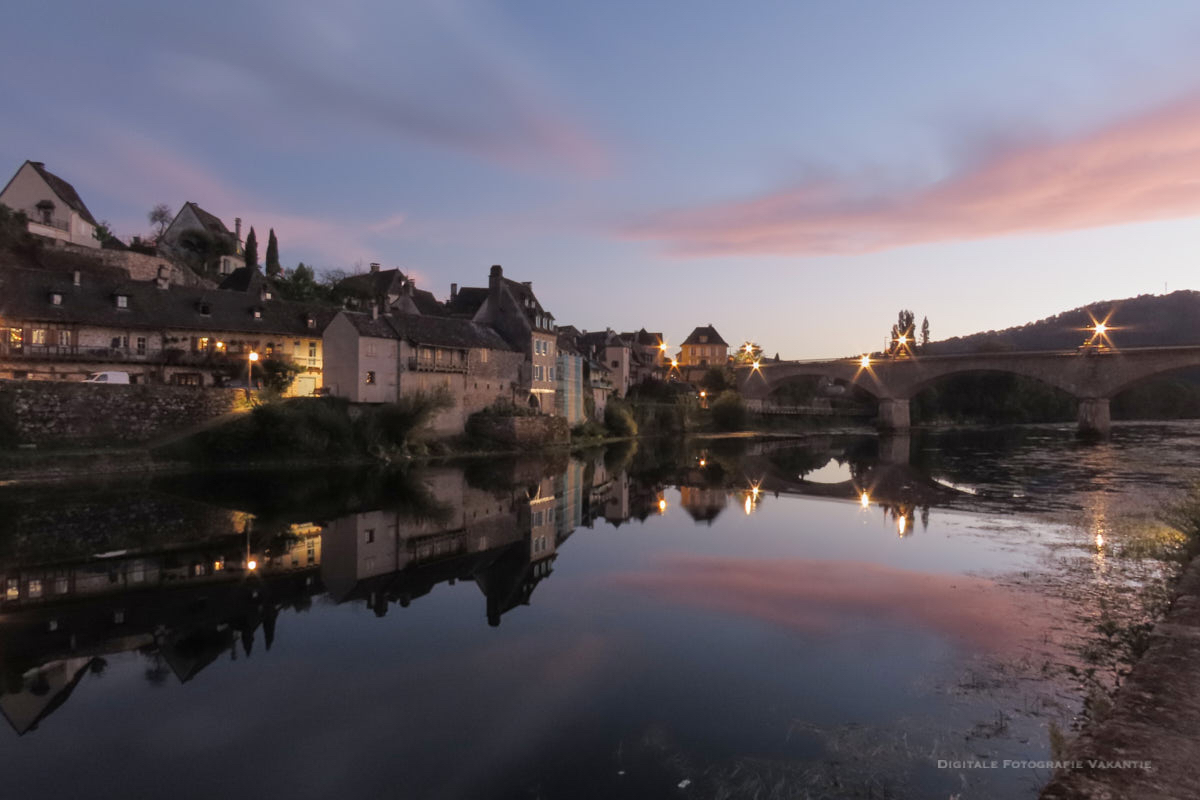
[[65, 325], [704, 347], [512, 309], [378, 358], [650, 358], [389, 290], [193, 219], [614, 353], [571, 393], [55, 210]]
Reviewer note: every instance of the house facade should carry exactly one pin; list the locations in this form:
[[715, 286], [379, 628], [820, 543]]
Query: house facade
[[63, 326], [192, 217], [704, 347], [55, 210], [379, 358]]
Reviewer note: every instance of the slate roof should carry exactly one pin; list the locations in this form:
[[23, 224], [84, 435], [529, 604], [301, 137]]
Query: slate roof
[[65, 191], [366, 325], [211, 222], [705, 330], [467, 302], [372, 284], [25, 296], [644, 338], [446, 332], [243, 279]]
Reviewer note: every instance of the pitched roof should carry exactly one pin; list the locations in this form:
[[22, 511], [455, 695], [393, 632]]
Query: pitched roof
[[426, 303], [446, 332], [211, 222], [243, 279], [366, 325], [65, 191], [644, 338], [25, 295], [467, 301], [372, 284], [710, 334]]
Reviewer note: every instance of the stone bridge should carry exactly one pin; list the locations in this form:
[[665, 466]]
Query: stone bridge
[[1094, 377]]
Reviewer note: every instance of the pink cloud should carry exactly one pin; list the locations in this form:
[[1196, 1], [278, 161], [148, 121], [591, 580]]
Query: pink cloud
[[1144, 168], [812, 595], [138, 171]]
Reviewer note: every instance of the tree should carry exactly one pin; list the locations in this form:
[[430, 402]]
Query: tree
[[924, 331], [273, 267], [300, 284], [160, 217], [251, 249], [748, 353], [903, 333], [104, 234], [201, 250]]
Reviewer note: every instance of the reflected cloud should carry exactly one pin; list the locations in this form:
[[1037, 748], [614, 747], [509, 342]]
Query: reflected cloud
[[817, 596]]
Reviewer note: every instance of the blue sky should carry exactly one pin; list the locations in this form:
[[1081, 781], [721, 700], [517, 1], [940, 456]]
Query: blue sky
[[790, 172]]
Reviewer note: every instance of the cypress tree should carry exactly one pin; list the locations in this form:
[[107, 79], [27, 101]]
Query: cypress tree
[[251, 249], [273, 267]]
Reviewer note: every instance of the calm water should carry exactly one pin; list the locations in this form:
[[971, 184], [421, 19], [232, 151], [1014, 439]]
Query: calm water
[[822, 618]]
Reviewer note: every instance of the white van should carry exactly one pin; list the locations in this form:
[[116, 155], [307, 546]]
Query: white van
[[108, 377]]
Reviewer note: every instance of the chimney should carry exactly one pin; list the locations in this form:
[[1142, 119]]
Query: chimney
[[453, 290], [75, 278], [237, 230], [163, 279], [374, 266], [494, 279]]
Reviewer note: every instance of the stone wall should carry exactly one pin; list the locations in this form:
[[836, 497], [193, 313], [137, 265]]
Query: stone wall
[[534, 431], [142, 267], [61, 414]]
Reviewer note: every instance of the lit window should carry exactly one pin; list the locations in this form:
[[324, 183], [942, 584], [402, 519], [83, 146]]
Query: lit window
[[39, 336], [35, 587], [258, 313], [312, 323], [12, 589], [122, 301], [56, 299], [371, 377]]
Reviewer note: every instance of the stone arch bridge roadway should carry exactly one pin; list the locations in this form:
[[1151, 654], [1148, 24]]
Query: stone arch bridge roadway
[[1094, 377]]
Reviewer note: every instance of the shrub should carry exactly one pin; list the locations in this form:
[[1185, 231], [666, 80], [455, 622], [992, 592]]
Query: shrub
[[728, 412], [618, 418], [588, 429]]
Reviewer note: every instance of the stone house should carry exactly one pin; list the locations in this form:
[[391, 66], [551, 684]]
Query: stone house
[[389, 290], [650, 356], [64, 325], [192, 217], [614, 353], [377, 358], [570, 393], [55, 210], [704, 347], [513, 310]]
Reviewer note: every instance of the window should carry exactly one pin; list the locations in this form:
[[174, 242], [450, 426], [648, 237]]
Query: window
[[371, 349], [61, 584], [141, 345], [201, 344], [118, 618], [370, 377], [552, 373], [39, 336], [64, 338], [35, 587], [483, 356], [312, 323], [122, 301], [56, 299], [258, 313], [270, 348], [369, 535], [12, 589], [205, 309], [537, 372], [616, 363]]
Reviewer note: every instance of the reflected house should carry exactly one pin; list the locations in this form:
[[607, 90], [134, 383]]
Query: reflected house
[[182, 607], [703, 503], [505, 543]]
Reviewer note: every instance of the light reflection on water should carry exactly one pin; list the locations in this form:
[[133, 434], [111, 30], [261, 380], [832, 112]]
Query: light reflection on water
[[608, 625]]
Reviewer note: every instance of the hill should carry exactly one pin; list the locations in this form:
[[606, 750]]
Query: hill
[[1148, 320]]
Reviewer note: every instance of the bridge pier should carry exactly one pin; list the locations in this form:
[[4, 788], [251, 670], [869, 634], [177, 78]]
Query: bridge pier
[[893, 415], [1094, 418]]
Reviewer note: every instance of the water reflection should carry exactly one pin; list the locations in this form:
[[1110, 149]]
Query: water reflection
[[161, 574]]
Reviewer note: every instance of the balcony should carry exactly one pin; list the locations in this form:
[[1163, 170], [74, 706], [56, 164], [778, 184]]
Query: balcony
[[36, 217], [33, 352], [429, 365]]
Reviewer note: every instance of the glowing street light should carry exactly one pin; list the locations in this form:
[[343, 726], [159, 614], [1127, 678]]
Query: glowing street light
[[1101, 329], [250, 359], [865, 362], [252, 565], [756, 365]]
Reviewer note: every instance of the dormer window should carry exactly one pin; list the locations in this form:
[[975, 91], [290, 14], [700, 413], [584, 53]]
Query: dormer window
[[258, 313], [264, 294], [122, 301], [204, 308], [703, 340], [55, 299], [311, 321]]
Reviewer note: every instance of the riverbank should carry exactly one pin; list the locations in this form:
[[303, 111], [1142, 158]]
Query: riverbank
[[1145, 748]]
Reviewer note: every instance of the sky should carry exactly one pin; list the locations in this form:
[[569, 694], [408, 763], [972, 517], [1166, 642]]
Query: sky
[[793, 173]]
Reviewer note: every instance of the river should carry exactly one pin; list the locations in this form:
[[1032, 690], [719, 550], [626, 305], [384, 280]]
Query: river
[[828, 616]]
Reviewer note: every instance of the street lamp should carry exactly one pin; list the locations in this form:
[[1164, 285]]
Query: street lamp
[[250, 359], [865, 362]]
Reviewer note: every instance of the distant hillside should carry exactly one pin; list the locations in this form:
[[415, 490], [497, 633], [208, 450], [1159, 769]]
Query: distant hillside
[[1144, 321]]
